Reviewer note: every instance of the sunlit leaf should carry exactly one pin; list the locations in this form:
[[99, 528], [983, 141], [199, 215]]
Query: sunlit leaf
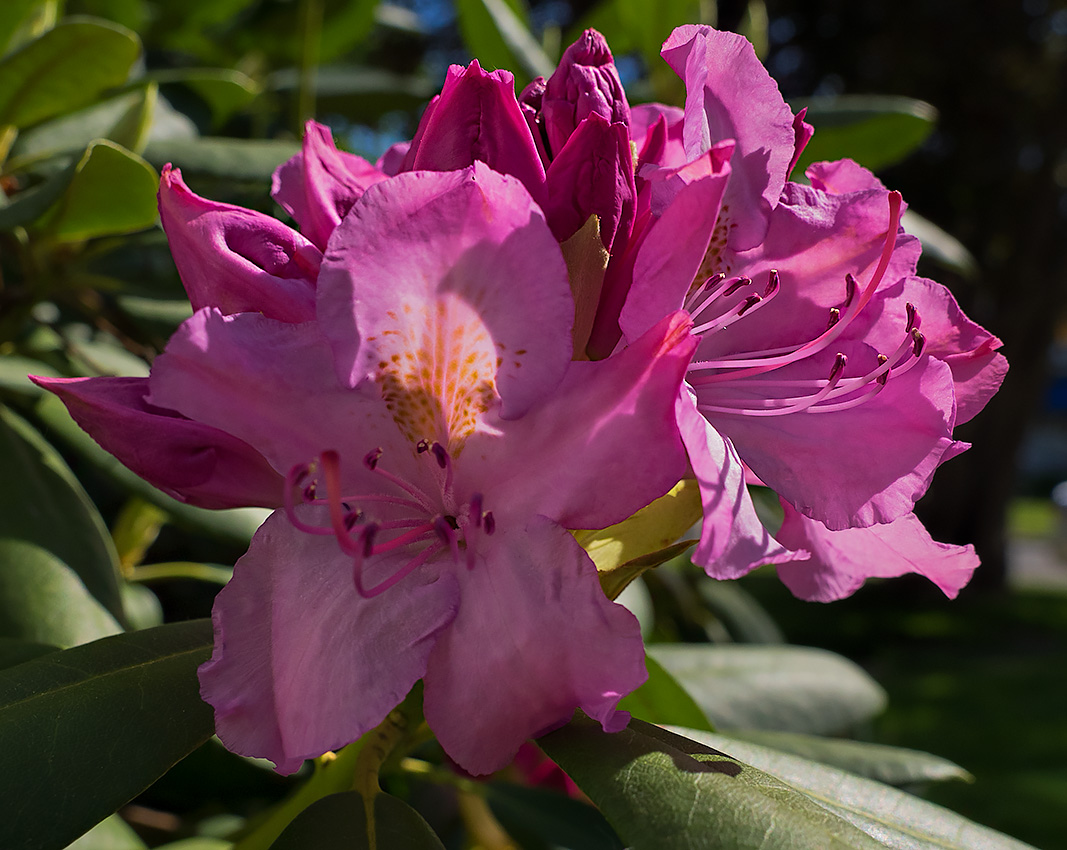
[[14, 16], [786, 688], [497, 32], [661, 791], [112, 833], [894, 818], [875, 130], [66, 68], [85, 730], [340, 822], [661, 697], [43, 504]]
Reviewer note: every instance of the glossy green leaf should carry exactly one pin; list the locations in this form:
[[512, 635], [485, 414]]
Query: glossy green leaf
[[661, 791], [787, 688], [65, 69], [233, 159], [15, 650], [113, 192], [123, 119], [14, 15], [538, 818], [142, 606], [339, 821], [45, 505], [42, 599], [875, 130], [112, 833], [891, 765], [661, 698], [85, 730], [345, 27], [895, 818], [497, 32], [235, 526], [200, 843], [939, 246], [30, 204], [225, 92]]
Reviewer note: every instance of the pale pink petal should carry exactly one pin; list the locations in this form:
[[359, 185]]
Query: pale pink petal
[[302, 663], [235, 259], [841, 561], [534, 639], [451, 272], [602, 446], [187, 460], [841, 177], [477, 118], [733, 541], [730, 95], [320, 184]]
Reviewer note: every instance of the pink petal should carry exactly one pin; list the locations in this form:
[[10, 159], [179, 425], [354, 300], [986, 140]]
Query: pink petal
[[593, 175], [733, 541], [841, 561], [477, 118], [841, 177], [668, 151], [803, 132], [610, 421], [390, 162], [302, 663], [320, 184], [452, 272], [190, 461], [730, 95], [237, 260], [585, 83], [534, 639]]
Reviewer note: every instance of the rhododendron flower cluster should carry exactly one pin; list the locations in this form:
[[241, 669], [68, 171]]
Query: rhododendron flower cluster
[[536, 316]]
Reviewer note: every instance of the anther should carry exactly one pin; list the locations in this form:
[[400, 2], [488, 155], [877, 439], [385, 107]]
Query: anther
[[750, 302], [489, 522], [476, 510], [918, 341], [370, 460], [740, 283], [440, 453], [835, 317], [422, 446], [370, 531], [839, 366], [772, 284], [850, 289], [913, 317]]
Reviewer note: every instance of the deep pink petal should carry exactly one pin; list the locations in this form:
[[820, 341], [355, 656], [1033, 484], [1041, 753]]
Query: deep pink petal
[[803, 132], [235, 259], [477, 118], [730, 95], [302, 663], [188, 460], [534, 639], [610, 421], [390, 162], [320, 184], [593, 175], [733, 541], [667, 151], [530, 103], [449, 273], [855, 467], [841, 561], [585, 83]]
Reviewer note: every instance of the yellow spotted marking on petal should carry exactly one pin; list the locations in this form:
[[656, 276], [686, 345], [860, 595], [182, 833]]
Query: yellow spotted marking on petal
[[714, 262], [437, 370]]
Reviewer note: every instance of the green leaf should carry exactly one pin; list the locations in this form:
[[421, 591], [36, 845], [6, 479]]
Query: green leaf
[[14, 16], [875, 130], [14, 370], [143, 609], [787, 688], [42, 599], [66, 68], [661, 698], [339, 821], [233, 159], [939, 246], [112, 833], [14, 651], [45, 505], [113, 192], [895, 818], [225, 92], [537, 818], [201, 843], [891, 765], [85, 730], [29, 205], [744, 618], [234, 526], [497, 32], [664, 792]]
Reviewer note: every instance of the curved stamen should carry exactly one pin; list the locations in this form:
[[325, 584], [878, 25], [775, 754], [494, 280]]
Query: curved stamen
[[295, 477], [406, 570]]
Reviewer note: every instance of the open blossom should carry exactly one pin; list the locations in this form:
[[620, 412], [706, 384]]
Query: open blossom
[[435, 443]]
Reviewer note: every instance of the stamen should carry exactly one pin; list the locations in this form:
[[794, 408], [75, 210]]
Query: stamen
[[370, 460], [293, 480], [448, 535], [489, 522], [476, 510], [406, 570]]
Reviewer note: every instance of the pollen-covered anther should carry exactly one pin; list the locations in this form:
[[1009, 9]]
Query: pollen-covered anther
[[371, 458], [918, 341]]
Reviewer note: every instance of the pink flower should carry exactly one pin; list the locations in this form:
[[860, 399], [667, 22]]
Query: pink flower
[[436, 443]]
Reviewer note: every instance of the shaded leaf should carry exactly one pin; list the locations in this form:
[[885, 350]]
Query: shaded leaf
[[45, 505], [891, 765], [224, 91], [339, 821], [744, 618], [498, 33], [895, 818], [13, 372], [15, 650], [939, 246], [875, 130], [112, 833], [663, 792], [32, 203], [537, 818], [233, 159], [66, 68], [113, 192], [661, 698], [85, 730], [787, 688]]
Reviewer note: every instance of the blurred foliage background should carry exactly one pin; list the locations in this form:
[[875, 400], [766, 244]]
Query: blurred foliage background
[[962, 106]]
